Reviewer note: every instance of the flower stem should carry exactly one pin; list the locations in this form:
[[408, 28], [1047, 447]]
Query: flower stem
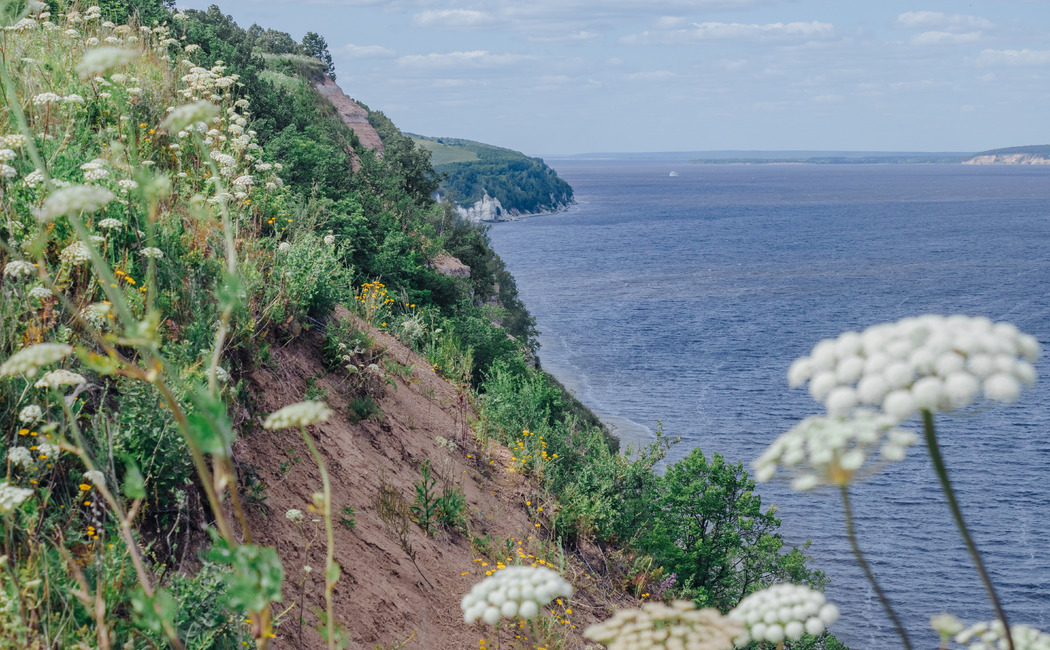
[[953, 505], [851, 533], [331, 570]]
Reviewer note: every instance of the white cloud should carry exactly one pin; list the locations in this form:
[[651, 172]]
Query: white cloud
[[1023, 57], [739, 31], [830, 98], [945, 38], [652, 75], [367, 51], [574, 37], [472, 59], [939, 20], [456, 18]]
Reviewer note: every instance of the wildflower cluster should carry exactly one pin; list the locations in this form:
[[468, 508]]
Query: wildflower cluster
[[300, 414], [783, 611], [823, 450], [373, 302], [679, 625], [11, 497], [529, 450], [991, 636], [933, 363], [513, 592]]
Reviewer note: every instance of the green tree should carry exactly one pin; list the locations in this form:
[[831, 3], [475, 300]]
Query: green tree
[[711, 530], [314, 45]]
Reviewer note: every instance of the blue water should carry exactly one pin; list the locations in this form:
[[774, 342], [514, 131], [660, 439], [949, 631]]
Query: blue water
[[685, 299]]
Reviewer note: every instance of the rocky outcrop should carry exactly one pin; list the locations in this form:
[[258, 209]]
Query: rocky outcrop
[[447, 265], [485, 209], [353, 115], [1008, 159]]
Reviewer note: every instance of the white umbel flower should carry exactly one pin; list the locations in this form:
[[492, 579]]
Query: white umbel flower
[[109, 223], [284, 247], [74, 200], [28, 361], [101, 60], [40, 293], [656, 625], [18, 270], [96, 478], [824, 450], [20, 457], [329, 240], [513, 592], [152, 253], [783, 611], [992, 636], [30, 414], [75, 253], [11, 497], [188, 115], [300, 414], [933, 363], [58, 378]]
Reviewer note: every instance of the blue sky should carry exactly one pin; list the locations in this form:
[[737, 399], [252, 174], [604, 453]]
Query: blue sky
[[571, 76]]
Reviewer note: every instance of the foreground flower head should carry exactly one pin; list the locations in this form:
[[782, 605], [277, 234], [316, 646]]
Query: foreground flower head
[[18, 269], [74, 200], [656, 625], [20, 457], [933, 363], [59, 378], [30, 414], [101, 60], [783, 611], [300, 414], [992, 636], [28, 361], [824, 450], [513, 592], [11, 497], [189, 114]]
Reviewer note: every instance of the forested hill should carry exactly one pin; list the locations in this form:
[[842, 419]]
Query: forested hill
[[470, 170], [1027, 155]]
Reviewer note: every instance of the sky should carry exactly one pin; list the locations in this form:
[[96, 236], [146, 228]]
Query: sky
[[551, 77]]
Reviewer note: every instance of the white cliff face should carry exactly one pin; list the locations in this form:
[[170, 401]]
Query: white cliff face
[[1008, 159], [486, 209]]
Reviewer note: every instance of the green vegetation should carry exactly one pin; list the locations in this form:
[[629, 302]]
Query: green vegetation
[[172, 208], [1034, 150], [469, 169]]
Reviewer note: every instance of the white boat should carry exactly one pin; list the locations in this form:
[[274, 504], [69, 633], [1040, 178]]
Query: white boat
[[673, 174]]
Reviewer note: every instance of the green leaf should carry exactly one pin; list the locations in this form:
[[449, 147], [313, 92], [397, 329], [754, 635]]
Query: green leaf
[[256, 576], [332, 573], [209, 425], [134, 483], [152, 612]]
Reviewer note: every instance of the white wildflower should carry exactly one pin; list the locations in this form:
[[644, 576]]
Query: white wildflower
[[833, 450], [60, 377], [99, 61], [73, 98], [27, 361], [284, 247], [15, 140], [932, 363], [783, 611], [513, 592], [19, 270], [329, 239], [992, 636], [95, 314], [20, 457], [75, 253], [244, 181], [7, 172], [152, 253], [7, 155], [656, 625], [33, 178], [189, 114], [110, 223], [73, 200], [46, 450], [300, 414], [221, 374], [126, 185], [96, 478], [30, 414], [40, 293], [95, 170], [295, 516], [11, 497], [92, 42]]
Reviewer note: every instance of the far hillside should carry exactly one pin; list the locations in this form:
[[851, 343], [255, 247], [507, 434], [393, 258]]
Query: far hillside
[[470, 170], [1027, 155], [1034, 150]]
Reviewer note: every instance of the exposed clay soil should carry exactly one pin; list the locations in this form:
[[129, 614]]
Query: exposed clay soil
[[382, 598]]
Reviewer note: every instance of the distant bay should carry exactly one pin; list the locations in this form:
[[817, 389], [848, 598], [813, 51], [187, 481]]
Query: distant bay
[[685, 298]]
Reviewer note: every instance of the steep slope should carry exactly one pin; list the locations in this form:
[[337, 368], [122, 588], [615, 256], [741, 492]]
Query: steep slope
[[1030, 155], [351, 113], [382, 598]]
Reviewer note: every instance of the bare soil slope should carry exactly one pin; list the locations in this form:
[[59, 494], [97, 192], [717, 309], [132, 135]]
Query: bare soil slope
[[382, 597]]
